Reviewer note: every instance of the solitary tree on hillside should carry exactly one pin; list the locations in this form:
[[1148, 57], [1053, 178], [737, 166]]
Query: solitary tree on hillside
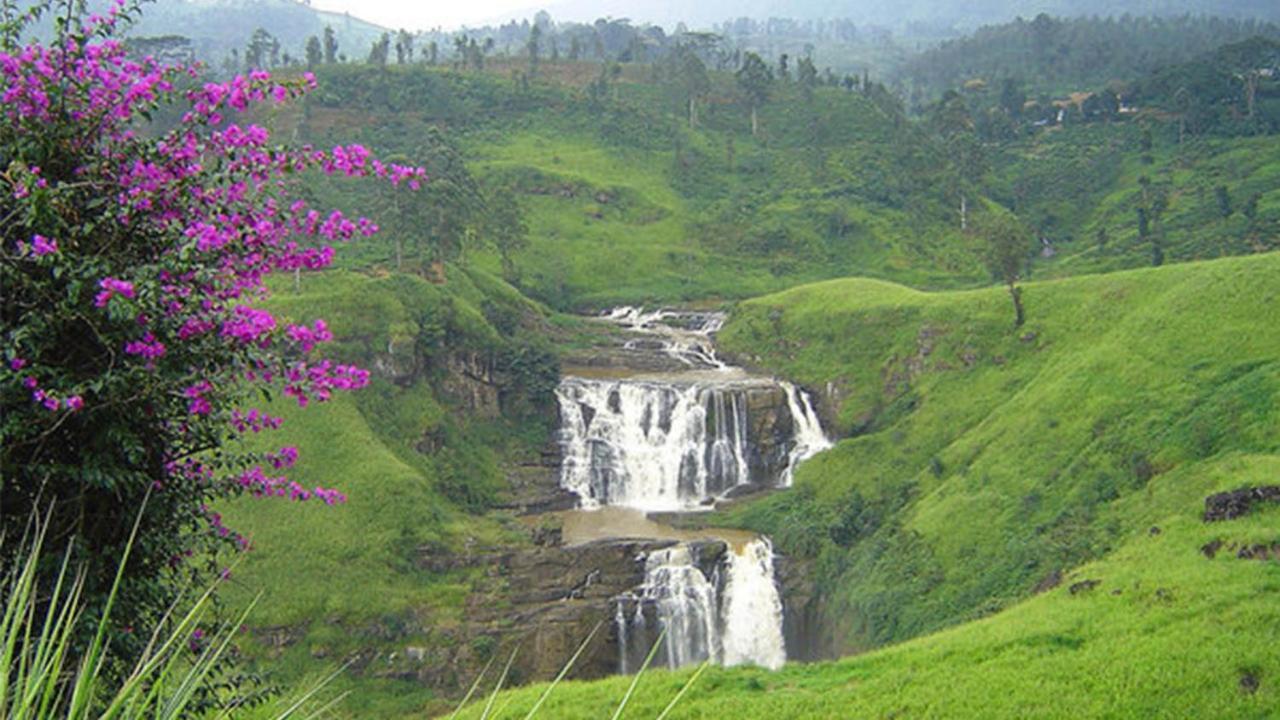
[[1006, 257], [314, 53], [694, 81], [404, 47], [379, 51], [330, 46], [755, 79]]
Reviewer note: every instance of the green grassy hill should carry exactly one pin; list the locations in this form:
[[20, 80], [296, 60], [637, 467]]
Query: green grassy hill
[[626, 203], [419, 465], [1081, 188], [985, 463]]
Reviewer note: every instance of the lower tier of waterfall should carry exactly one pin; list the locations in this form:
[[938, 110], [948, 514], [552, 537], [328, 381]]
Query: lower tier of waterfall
[[705, 601]]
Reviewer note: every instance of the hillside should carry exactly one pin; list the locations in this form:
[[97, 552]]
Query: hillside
[[984, 465], [626, 204], [218, 27], [421, 455]]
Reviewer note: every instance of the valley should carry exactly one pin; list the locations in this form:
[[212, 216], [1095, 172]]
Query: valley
[[919, 363]]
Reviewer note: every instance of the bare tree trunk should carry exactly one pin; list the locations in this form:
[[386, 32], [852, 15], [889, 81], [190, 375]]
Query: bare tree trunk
[[693, 112], [964, 213], [399, 252], [297, 280], [755, 122], [1019, 314]]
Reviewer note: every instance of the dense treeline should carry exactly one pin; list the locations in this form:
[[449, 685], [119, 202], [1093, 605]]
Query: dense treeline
[[1055, 55]]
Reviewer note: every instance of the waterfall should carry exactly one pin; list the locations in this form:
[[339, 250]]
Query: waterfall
[[675, 442], [809, 437], [739, 624], [648, 445], [752, 609], [686, 603]]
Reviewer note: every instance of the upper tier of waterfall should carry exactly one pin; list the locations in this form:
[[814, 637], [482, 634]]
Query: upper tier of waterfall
[[677, 440]]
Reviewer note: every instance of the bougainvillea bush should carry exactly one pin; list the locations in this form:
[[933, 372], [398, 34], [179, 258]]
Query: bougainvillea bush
[[131, 261]]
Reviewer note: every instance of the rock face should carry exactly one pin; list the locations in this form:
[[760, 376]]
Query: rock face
[[804, 626], [770, 431], [552, 598], [469, 383], [1231, 505]]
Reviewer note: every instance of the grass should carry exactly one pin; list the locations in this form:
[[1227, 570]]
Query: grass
[[343, 583], [983, 458]]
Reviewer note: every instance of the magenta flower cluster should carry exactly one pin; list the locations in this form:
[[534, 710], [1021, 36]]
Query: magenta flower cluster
[[198, 217]]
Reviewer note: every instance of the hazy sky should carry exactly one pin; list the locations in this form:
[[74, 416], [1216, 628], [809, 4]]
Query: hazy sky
[[426, 14]]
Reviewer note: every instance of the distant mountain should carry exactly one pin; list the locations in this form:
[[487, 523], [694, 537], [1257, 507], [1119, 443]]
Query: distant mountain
[[892, 13], [215, 27]]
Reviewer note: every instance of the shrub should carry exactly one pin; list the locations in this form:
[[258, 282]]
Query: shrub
[[131, 258]]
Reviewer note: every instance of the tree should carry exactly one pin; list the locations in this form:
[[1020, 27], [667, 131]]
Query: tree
[[1012, 97], [504, 226], [445, 215], [1223, 196], [755, 81], [263, 50], [330, 46], [951, 119], [132, 256], [807, 75], [1006, 257], [534, 47], [379, 51], [314, 53], [404, 47], [694, 81]]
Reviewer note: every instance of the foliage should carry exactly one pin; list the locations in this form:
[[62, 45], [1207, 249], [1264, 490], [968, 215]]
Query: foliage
[[43, 675], [131, 259], [1057, 55], [1006, 255]]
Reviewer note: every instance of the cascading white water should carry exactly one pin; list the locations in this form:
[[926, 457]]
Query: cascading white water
[[649, 445], [741, 624], [680, 334], [687, 606], [809, 437], [752, 609]]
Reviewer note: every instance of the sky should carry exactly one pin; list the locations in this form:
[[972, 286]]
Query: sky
[[427, 14]]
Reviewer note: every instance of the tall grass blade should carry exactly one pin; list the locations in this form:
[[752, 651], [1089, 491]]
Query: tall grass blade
[[563, 671], [488, 707], [653, 651], [675, 700], [474, 686]]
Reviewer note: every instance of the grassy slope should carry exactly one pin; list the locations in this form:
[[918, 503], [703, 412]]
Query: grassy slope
[[833, 185], [1141, 393], [341, 581], [1073, 182]]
